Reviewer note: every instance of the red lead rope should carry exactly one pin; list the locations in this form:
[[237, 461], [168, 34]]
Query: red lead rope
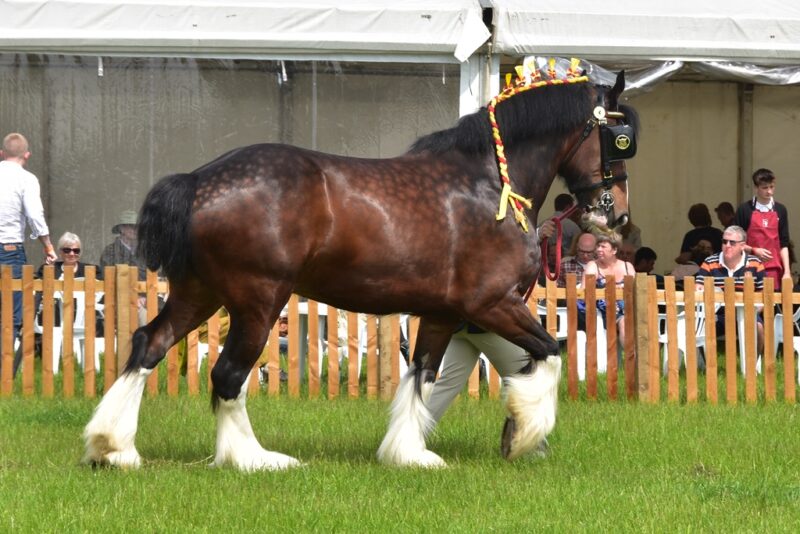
[[543, 244]]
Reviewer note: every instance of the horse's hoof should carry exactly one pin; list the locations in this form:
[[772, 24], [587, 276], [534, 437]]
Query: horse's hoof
[[509, 428], [120, 459], [421, 458], [430, 460], [261, 461]]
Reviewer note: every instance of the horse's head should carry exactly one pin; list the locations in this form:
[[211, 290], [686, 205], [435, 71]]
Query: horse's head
[[594, 161]]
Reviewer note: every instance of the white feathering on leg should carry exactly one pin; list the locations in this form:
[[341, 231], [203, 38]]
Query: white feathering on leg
[[110, 434], [237, 444], [531, 401], [410, 422]]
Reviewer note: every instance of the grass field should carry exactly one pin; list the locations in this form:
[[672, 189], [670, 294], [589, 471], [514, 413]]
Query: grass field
[[612, 466]]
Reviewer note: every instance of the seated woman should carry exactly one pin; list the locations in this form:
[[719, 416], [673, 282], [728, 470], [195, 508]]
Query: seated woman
[[69, 252], [607, 268]]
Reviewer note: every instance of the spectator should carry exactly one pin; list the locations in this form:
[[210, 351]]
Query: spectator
[[584, 253], [733, 262], [700, 218], [69, 250], [644, 261], [608, 269], [767, 225], [123, 252], [698, 254], [627, 252], [726, 214], [631, 234], [569, 227], [20, 205]]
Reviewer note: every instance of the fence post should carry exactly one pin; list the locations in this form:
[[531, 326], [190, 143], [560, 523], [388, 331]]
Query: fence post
[[385, 355], [27, 331], [642, 335], [123, 317], [151, 290], [7, 379], [372, 357]]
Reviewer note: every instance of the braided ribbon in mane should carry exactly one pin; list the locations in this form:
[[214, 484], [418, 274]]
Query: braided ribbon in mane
[[524, 83]]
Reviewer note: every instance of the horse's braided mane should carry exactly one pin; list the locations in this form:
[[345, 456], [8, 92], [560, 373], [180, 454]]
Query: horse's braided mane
[[546, 111]]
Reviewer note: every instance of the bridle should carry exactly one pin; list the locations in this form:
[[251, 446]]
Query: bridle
[[617, 142]]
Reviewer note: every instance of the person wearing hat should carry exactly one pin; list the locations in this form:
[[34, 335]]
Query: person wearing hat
[[123, 252], [725, 213]]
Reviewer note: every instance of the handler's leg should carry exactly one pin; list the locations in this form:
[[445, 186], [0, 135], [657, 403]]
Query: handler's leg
[[459, 361]]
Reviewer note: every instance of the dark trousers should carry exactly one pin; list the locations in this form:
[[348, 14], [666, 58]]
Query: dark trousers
[[16, 258]]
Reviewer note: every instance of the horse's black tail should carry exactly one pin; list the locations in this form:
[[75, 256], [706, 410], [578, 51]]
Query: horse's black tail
[[164, 225]]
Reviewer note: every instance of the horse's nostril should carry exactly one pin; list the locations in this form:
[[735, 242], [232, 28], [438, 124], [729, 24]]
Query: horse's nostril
[[623, 220]]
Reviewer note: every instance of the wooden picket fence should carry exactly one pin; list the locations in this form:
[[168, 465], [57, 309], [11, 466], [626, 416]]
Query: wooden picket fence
[[640, 366]]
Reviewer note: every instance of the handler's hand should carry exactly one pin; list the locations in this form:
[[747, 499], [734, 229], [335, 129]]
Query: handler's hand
[[547, 229], [50, 256]]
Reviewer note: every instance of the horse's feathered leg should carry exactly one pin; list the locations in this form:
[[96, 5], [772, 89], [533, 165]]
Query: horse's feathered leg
[[109, 436], [236, 443], [531, 394], [411, 421]]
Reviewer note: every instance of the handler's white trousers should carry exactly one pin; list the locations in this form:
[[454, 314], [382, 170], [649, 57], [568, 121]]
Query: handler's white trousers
[[460, 358]]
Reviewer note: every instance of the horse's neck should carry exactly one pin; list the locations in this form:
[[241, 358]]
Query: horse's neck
[[533, 179], [532, 168]]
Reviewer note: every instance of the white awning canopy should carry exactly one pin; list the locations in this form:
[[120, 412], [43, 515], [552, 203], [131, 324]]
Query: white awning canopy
[[765, 32], [367, 30]]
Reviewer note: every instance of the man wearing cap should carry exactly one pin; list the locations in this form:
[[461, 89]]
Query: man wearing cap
[[20, 205], [123, 252], [725, 213]]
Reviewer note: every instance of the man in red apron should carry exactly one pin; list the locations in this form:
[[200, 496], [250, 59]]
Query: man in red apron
[[767, 225]]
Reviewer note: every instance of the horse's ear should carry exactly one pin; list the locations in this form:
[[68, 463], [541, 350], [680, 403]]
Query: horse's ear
[[619, 86]]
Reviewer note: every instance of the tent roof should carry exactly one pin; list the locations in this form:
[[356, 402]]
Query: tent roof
[[414, 30], [766, 32]]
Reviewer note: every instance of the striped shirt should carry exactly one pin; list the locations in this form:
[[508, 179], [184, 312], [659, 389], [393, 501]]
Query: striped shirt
[[714, 268]]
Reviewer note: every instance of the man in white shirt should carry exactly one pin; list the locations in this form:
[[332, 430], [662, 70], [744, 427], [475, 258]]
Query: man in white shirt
[[20, 205]]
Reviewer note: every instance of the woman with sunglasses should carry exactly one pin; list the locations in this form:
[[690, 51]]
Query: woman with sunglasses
[[69, 254]]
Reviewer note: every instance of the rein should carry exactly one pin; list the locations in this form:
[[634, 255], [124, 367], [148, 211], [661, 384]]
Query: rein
[[543, 244]]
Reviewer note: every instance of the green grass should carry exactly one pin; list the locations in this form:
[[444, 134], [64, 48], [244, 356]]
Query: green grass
[[624, 466]]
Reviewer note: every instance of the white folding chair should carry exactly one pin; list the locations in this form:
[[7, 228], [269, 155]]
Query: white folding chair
[[78, 331], [699, 334], [561, 335], [778, 336], [602, 350]]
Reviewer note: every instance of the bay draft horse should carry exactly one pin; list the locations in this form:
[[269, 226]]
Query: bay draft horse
[[417, 234]]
